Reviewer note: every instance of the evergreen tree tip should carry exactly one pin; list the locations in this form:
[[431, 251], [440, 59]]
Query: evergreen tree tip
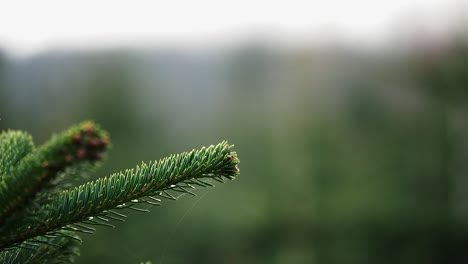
[[26, 171], [34, 215], [84, 142]]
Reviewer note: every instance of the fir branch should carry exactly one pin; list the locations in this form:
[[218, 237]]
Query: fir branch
[[61, 247], [83, 143], [69, 208], [14, 146]]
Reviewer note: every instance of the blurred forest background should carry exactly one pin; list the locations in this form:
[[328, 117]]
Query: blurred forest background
[[347, 155]]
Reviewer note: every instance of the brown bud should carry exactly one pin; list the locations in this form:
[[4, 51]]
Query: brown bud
[[229, 157], [76, 139], [105, 141], [94, 143], [45, 164], [89, 128], [81, 153], [68, 158]]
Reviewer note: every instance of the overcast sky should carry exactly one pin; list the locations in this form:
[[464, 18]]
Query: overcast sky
[[28, 27]]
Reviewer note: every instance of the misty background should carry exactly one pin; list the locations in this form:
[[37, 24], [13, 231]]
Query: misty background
[[350, 153]]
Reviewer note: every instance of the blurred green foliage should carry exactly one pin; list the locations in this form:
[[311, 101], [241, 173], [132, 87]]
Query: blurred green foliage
[[347, 157]]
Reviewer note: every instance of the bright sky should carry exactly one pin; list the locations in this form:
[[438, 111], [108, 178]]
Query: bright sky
[[28, 27]]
